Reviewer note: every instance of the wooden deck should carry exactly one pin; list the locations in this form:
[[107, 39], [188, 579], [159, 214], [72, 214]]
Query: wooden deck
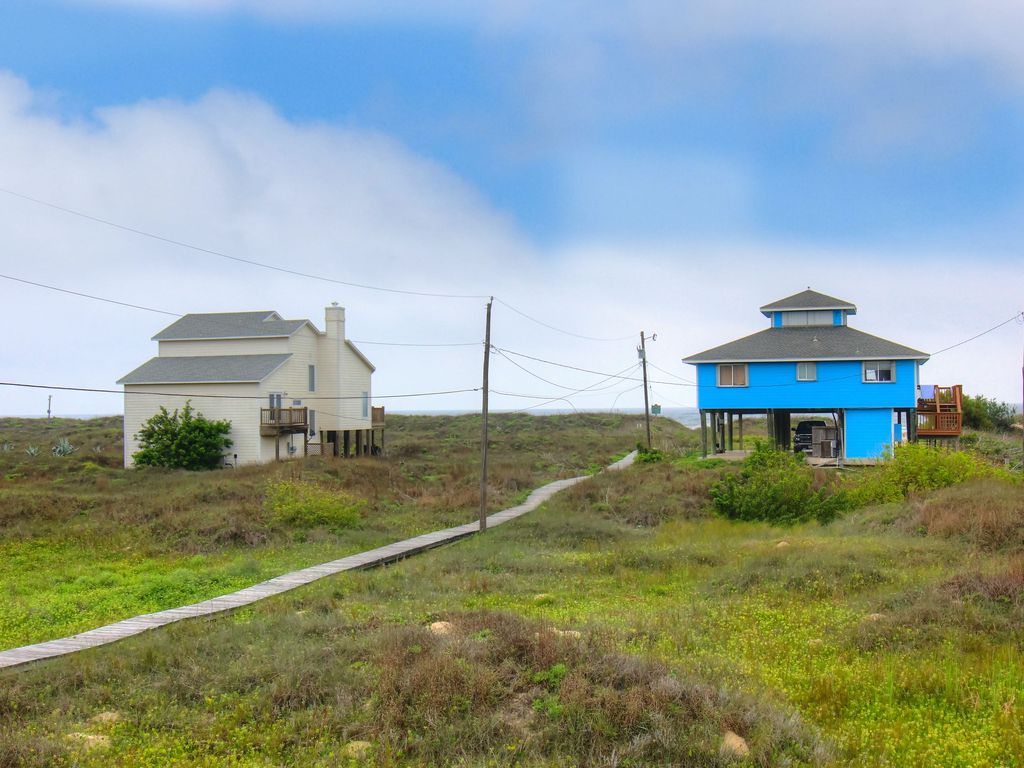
[[369, 559]]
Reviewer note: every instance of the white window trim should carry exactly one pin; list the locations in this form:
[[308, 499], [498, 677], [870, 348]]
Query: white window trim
[[864, 372], [746, 371], [807, 362]]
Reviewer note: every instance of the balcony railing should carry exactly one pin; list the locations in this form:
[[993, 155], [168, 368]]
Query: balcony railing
[[275, 421], [939, 424]]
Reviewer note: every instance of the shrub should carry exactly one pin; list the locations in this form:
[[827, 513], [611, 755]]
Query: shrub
[[987, 413], [647, 455], [182, 440], [778, 487], [63, 447], [305, 504], [917, 467]]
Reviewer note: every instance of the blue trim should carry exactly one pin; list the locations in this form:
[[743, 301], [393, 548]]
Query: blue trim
[[776, 319], [837, 317]]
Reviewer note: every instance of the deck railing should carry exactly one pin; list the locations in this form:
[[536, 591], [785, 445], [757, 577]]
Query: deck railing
[[284, 418], [377, 416], [939, 424]]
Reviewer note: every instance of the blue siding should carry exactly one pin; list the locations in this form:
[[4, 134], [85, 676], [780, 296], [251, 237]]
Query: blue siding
[[868, 433], [839, 385], [837, 317], [777, 319]]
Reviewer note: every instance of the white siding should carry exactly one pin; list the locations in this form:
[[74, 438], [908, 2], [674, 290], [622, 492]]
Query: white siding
[[207, 347], [244, 414]]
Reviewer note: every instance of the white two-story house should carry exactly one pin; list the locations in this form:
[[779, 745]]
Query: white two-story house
[[287, 388]]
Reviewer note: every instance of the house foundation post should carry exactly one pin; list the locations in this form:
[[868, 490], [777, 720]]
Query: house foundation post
[[703, 433], [729, 417], [741, 430], [346, 440], [277, 447]]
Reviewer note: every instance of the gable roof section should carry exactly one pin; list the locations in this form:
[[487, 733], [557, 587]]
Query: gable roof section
[[203, 369], [833, 342], [809, 300], [230, 325]]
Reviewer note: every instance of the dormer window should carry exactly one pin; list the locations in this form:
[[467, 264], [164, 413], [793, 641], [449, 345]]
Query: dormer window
[[808, 317]]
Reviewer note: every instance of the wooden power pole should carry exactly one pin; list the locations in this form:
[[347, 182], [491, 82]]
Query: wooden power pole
[[483, 427], [647, 407]]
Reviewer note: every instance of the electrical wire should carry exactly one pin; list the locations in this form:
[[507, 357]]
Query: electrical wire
[[557, 329], [226, 397], [669, 373], [89, 296], [1017, 316], [588, 370], [547, 381], [239, 259], [179, 314]]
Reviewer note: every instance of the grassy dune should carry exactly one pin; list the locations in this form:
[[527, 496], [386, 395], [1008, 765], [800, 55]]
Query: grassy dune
[[622, 624], [84, 542]]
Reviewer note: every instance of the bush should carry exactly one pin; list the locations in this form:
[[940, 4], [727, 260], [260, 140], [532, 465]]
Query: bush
[[308, 505], [916, 467], [185, 440], [988, 414], [646, 455], [778, 487]]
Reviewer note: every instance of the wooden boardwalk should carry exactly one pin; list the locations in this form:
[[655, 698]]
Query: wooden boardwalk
[[369, 559]]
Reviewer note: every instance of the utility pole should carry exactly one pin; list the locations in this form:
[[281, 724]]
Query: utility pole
[[483, 428], [49, 402], [647, 407]]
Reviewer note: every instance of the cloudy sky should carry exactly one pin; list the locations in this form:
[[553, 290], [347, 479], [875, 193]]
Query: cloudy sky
[[601, 167]]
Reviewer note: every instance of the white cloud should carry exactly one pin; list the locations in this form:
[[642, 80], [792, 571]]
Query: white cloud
[[228, 173]]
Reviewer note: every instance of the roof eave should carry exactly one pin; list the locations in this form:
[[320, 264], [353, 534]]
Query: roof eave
[[806, 359]]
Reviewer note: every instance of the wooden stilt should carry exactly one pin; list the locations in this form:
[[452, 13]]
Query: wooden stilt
[[703, 434], [741, 431], [277, 448], [729, 417]]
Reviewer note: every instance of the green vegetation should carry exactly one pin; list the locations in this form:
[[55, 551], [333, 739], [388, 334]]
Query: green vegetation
[[778, 487], [623, 623], [182, 440], [84, 542], [988, 414]]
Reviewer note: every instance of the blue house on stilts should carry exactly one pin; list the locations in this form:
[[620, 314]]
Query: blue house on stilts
[[810, 361]]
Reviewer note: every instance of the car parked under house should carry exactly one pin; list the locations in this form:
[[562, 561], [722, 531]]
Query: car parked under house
[[810, 361], [286, 387]]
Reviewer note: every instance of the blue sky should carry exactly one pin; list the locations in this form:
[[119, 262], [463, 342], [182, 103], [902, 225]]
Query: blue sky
[[753, 137], [854, 146]]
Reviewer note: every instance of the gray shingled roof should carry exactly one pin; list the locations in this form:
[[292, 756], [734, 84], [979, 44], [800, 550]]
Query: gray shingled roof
[[229, 325], [205, 369], [809, 300], [829, 342]]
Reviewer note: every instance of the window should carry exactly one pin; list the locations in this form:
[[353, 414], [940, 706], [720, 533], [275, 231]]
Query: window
[[880, 371], [312, 423], [732, 375], [275, 400], [806, 371], [366, 405], [808, 317], [312, 378]]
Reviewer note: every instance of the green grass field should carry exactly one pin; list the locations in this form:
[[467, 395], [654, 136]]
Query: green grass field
[[622, 624]]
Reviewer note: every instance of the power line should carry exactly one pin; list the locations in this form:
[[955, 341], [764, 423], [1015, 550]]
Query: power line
[[239, 259], [89, 296], [993, 328], [588, 370], [225, 397], [181, 314], [560, 330], [541, 378], [669, 373]]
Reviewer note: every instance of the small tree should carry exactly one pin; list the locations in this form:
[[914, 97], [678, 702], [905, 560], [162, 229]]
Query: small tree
[[987, 414], [185, 440]]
